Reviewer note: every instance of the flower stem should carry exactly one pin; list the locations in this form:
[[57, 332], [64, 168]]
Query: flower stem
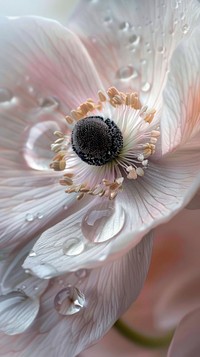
[[143, 340]]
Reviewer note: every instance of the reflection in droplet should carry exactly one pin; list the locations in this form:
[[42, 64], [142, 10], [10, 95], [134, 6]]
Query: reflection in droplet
[[102, 222], [51, 103], [69, 301], [126, 73], [5, 95], [32, 253], [73, 246], [146, 87], [29, 217]]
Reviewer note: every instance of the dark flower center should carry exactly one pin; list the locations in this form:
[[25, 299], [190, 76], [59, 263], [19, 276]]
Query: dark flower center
[[96, 141]]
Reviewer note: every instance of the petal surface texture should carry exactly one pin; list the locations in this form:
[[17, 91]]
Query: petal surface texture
[[141, 37], [180, 123], [108, 292], [44, 72]]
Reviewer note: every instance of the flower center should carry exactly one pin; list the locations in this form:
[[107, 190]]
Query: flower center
[[96, 141], [117, 150]]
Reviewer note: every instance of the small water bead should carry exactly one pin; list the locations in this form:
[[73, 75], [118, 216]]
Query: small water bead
[[185, 29], [81, 273], [65, 207], [124, 26], [5, 95], [39, 215], [29, 217], [73, 246], [108, 20], [134, 40], [126, 73], [69, 301], [146, 87], [32, 253]]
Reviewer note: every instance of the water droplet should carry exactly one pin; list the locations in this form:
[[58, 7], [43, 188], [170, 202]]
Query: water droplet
[[5, 95], [40, 215], [32, 253], [108, 20], [69, 301], [27, 271], [146, 87], [134, 40], [65, 207], [49, 103], [47, 270], [81, 273], [161, 49], [102, 222], [37, 141], [124, 26], [185, 29], [73, 246], [23, 287], [29, 217], [126, 73], [36, 288]]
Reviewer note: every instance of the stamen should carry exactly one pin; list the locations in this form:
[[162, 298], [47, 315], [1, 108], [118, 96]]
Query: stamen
[[115, 148]]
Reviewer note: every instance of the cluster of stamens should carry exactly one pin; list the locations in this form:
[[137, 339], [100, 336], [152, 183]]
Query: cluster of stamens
[[130, 163]]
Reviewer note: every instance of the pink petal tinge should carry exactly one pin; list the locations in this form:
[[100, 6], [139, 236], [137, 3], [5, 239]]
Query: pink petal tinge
[[44, 72], [108, 292]]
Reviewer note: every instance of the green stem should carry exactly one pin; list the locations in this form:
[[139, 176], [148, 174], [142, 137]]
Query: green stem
[[142, 340]]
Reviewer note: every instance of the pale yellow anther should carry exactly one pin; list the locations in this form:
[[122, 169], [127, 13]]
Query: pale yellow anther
[[149, 116], [80, 196], [59, 141], [76, 115], [58, 165], [69, 119], [66, 181], [155, 133], [113, 195], [112, 91], [140, 171], [102, 96], [84, 108], [59, 134], [132, 175], [153, 140]]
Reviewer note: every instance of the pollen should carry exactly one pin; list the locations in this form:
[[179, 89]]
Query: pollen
[[108, 142]]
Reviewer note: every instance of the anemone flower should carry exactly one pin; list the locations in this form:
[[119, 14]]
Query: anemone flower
[[123, 102]]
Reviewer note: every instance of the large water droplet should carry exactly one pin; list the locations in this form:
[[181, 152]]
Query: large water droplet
[[38, 139], [49, 103], [146, 87], [5, 95], [73, 246], [29, 217], [69, 301], [102, 222], [126, 73]]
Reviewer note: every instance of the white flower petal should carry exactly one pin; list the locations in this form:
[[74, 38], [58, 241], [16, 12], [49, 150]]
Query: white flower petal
[[44, 72], [17, 312], [108, 291], [186, 342], [131, 42], [180, 123]]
